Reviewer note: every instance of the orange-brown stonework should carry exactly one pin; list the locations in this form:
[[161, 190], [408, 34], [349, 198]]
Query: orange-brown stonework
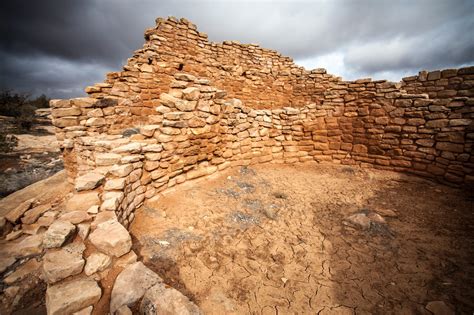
[[184, 107]]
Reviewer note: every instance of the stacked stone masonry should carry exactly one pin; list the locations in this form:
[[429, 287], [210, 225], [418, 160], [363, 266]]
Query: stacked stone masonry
[[184, 108]]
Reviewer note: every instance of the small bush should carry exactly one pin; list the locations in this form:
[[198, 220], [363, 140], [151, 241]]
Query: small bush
[[21, 107], [7, 142]]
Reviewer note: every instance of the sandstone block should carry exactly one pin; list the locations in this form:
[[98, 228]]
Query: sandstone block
[[96, 262], [185, 106], [68, 111], [448, 146], [72, 296], [115, 184], [133, 147], [75, 217], [83, 201], [131, 284], [88, 181], [96, 122], [148, 130], [121, 170], [111, 238], [162, 300], [65, 122], [61, 264], [18, 212], [184, 77], [58, 233], [33, 214], [191, 94], [106, 159], [168, 100], [29, 246]]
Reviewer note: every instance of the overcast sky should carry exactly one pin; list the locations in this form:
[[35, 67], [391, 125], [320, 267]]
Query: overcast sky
[[58, 47]]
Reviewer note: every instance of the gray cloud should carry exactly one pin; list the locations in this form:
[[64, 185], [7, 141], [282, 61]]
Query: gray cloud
[[58, 47]]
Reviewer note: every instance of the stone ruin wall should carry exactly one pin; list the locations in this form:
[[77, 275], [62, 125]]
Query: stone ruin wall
[[184, 108]]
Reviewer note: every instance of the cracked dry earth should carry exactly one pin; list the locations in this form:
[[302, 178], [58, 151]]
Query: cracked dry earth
[[272, 239]]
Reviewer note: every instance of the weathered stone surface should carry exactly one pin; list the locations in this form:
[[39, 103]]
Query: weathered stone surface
[[121, 170], [88, 181], [106, 159], [83, 230], [124, 310], [84, 311], [14, 215], [29, 246], [115, 184], [439, 308], [359, 220], [112, 238], [191, 94], [58, 233], [96, 262], [58, 265], [83, 201], [33, 214], [72, 296], [75, 217], [28, 268], [102, 217], [131, 284], [161, 300], [185, 106], [133, 147]]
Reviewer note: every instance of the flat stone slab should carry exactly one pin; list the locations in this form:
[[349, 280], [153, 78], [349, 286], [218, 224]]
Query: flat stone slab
[[88, 181], [72, 296], [83, 201], [111, 238], [131, 284]]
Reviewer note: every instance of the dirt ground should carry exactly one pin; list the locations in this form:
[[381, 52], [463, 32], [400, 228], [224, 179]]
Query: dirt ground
[[274, 239]]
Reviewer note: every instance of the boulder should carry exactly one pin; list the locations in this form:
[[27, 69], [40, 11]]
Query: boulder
[[89, 181], [102, 217], [111, 238], [162, 300], [131, 284], [58, 233], [83, 201], [96, 262], [72, 296], [58, 265]]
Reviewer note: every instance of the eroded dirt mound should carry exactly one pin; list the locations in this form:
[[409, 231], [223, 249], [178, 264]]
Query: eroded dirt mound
[[305, 239]]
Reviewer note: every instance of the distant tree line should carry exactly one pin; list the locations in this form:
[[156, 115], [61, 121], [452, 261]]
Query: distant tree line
[[21, 107]]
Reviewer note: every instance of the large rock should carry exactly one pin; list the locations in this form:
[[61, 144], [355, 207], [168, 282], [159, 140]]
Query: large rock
[[75, 217], [96, 262], [89, 181], [131, 284], [83, 201], [30, 267], [111, 238], [73, 296], [58, 265], [18, 212], [161, 300], [32, 215], [58, 233], [29, 246]]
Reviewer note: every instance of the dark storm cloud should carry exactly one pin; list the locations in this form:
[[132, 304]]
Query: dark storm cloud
[[59, 47]]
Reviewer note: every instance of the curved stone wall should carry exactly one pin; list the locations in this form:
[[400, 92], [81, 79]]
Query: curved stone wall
[[153, 125]]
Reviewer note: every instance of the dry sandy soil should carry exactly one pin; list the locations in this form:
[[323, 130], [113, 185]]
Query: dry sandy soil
[[276, 239]]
